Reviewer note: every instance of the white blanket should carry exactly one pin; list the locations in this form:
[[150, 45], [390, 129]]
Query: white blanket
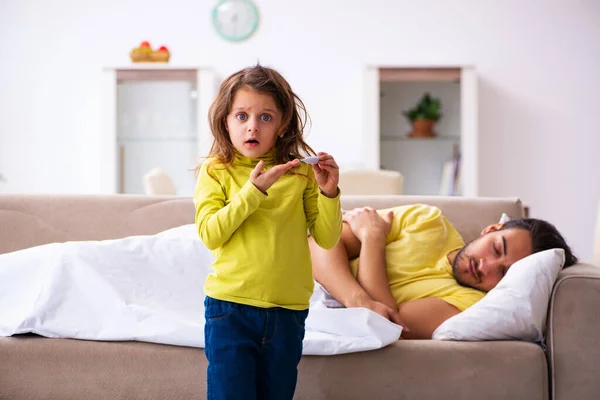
[[147, 288]]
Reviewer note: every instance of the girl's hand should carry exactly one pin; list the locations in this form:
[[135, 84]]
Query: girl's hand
[[263, 180], [327, 174]]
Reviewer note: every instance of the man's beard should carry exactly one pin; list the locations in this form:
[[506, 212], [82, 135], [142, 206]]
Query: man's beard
[[456, 267]]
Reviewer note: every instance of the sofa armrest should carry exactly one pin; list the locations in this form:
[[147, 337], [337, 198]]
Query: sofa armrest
[[573, 333]]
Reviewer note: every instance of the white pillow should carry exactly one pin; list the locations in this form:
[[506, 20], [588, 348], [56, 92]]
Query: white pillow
[[515, 309]]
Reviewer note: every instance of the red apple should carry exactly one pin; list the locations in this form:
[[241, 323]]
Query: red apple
[[163, 48], [145, 44]]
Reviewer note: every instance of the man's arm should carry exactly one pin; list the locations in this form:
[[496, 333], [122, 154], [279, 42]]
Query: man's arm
[[331, 268], [371, 230], [424, 316]]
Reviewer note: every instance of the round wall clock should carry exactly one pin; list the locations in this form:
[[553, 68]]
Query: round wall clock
[[235, 20]]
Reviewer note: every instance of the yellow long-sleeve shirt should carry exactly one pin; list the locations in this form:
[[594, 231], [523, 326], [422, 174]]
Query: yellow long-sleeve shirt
[[260, 241], [417, 249]]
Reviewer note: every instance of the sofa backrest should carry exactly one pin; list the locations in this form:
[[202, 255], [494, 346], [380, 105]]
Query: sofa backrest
[[468, 215], [32, 220]]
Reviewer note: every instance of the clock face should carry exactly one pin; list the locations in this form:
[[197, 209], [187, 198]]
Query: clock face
[[235, 20]]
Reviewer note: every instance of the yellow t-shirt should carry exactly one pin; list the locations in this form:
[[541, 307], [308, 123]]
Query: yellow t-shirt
[[260, 241], [417, 264]]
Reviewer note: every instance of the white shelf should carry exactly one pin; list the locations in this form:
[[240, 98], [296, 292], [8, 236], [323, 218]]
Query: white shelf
[[156, 66], [126, 139], [385, 141], [154, 116], [419, 74], [442, 138]]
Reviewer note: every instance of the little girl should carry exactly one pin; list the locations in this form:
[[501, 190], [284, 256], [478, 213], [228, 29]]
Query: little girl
[[254, 203]]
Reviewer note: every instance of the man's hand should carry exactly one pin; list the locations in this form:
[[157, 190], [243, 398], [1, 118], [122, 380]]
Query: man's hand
[[386, 312], [366, 222], [363, 300], [263, 180]]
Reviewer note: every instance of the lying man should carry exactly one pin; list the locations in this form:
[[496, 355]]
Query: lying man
[[415, 268]]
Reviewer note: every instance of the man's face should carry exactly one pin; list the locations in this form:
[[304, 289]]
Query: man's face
[[484, 261]]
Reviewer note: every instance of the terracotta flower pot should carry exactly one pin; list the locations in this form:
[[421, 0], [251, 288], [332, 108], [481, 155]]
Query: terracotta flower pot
[[422, 128]]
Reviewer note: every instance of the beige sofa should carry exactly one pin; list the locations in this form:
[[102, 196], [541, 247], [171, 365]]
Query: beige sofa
[[40, 368]]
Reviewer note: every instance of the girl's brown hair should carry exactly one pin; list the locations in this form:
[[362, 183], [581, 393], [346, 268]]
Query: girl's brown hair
[[293, 122]]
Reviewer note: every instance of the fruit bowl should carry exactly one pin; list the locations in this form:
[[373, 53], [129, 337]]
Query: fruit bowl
[[144, 53], [160, 55]]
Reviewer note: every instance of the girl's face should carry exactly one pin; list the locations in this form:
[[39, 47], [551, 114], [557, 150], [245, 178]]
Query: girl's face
[[253, 122]]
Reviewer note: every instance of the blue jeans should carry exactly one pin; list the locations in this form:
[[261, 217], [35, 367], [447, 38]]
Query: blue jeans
[[253, 353]]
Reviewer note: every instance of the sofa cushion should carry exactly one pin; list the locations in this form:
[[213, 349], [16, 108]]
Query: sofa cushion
[[35, 368]]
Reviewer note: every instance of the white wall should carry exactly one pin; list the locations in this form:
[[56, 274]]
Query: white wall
[[538, 64]]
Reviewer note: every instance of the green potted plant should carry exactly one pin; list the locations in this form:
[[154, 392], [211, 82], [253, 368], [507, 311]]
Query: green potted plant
[[423, 116]]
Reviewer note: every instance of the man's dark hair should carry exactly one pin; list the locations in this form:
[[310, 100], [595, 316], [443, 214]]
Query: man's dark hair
[[544, 236]]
